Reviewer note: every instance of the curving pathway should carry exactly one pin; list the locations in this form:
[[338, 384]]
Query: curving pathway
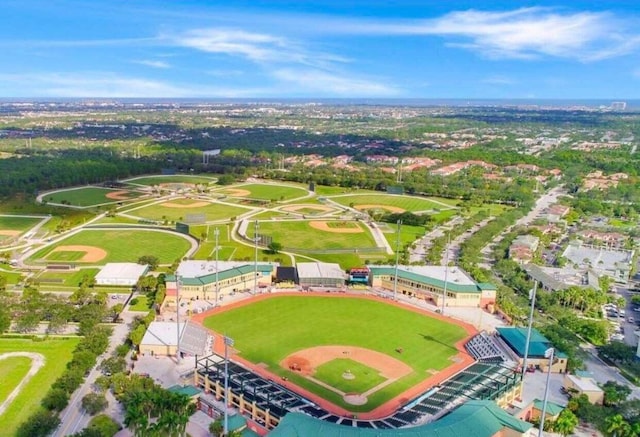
[[37, 361]]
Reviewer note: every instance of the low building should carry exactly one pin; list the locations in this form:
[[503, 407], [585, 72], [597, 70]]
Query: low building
[[516, 340], [429, 282], [584, 385], [211, 280], [556, 279], [533, 411], [161, 339], [124, 274], [318, 274], [615, 263]]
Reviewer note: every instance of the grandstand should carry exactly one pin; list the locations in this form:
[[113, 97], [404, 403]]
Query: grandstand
[[268, 402], [487, 348]]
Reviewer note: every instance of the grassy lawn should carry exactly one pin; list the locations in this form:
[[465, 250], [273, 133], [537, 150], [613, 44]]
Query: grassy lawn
[[365, 377], [300, 234], [408, 234], [18, 223], [171, 179], [12, 371], [87, 196], [57, 352], [126, 245], [269, 191], [12, 276], [407, 203], [142, 304], [270, 330], [324, 190], [266, 215], [346, 260], [70, 279], [212, 211]]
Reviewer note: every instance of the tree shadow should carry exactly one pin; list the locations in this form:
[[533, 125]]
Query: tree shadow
[[435, 340]]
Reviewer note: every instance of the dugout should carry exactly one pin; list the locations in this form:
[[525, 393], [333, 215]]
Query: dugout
[[320, 274]]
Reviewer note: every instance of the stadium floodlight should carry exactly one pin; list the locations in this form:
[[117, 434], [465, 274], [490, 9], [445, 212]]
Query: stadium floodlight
[[547, 354], [255, 262], [228, 342], [216, 232], [532, 297], [178, 284], [395, 276]]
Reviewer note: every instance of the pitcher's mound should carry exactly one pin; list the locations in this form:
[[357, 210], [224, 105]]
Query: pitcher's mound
[[354, 399]]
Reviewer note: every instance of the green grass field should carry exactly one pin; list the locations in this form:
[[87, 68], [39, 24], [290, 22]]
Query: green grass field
[[142, 304], [87, 196], [407, 203], [365, 377], [268, 331], [270, 191], [18, 223], [123, 245], [300, 234], [69, 279], [408, 234], [171, 179], [57, 352], [212, 211]]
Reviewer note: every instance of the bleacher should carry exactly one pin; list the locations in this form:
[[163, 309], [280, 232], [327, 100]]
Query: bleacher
[[482, 380], [487, 348], [195, 340]]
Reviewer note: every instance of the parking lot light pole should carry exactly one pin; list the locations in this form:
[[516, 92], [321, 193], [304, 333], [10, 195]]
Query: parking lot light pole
[[548, 354], [178, 318], [532, 297], [216, 232], [228, 341], [395, 276]]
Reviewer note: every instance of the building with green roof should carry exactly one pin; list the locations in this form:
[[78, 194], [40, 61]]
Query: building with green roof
[[516, 339], [210, 280], [472, 419], [429, 282]]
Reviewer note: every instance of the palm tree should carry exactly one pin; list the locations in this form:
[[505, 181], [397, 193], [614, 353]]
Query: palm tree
[[617, 426], [566, 422]]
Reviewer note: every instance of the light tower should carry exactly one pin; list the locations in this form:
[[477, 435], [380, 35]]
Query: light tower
[[395, 277]]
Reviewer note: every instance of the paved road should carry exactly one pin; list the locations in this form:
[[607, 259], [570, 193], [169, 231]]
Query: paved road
[[603, 372], [73, 418]]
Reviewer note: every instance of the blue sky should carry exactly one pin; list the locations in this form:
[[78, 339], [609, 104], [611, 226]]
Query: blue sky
[[341, 48]]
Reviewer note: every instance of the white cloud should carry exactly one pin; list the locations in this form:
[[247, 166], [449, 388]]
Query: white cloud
[[499, 80], [109, 85], [153, 64], [524, 33], [326, 83]]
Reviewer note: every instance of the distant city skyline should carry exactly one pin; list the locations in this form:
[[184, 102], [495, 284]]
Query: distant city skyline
[[326, 49]]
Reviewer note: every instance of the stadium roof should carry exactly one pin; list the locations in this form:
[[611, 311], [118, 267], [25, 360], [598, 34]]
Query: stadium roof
[[320, 270], [516, 338], [162, 334], [457, 279], [473, 418], [131, 271], [226, 270], [553, 409]]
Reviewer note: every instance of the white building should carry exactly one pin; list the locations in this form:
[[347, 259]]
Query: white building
[[320, 275], [125, 274]]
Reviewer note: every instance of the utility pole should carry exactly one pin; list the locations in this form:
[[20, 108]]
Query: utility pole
[[548, 354], [446, 271], [216, 233], [395, 277], [526, 345], [255, 262], [178, 318], [227, 342]]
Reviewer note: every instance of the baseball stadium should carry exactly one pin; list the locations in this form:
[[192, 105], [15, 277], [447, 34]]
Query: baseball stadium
[[354, 360]]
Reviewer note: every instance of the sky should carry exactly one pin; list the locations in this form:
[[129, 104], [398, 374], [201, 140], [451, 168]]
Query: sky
[[324, 49]]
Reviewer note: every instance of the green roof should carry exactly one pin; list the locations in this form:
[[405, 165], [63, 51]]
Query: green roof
[[517, 339], [416, 277], [472, 419], [222, 275], [552, 409], [187, 390], [236, 422], [249, 433]]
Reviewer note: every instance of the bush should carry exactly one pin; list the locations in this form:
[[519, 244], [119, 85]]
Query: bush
[[93, 403], [56, 399], [105, 425], [134, 301]]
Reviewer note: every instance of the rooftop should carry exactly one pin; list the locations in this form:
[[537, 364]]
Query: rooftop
[[516, 338], [457, 279], [162, 333], [319, 270], [584, 384], [196, 269], [473, 418], [131, 271]]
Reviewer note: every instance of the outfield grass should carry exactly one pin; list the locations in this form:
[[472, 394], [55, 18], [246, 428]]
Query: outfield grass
[[57, 352], [268, 331], [69, 279], [213, 211], [269, 191], [365, 377], [171, 179], [87, 196], [300, 234], [12, 371], [18, 223], [124, 245], [407, 203]]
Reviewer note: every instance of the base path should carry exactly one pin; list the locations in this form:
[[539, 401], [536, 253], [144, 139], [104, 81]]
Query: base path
[[92, 253], [37, 361]]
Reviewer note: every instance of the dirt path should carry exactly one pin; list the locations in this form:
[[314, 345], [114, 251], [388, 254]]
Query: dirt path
[[92, 253], [37, 361], [324, 226]]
